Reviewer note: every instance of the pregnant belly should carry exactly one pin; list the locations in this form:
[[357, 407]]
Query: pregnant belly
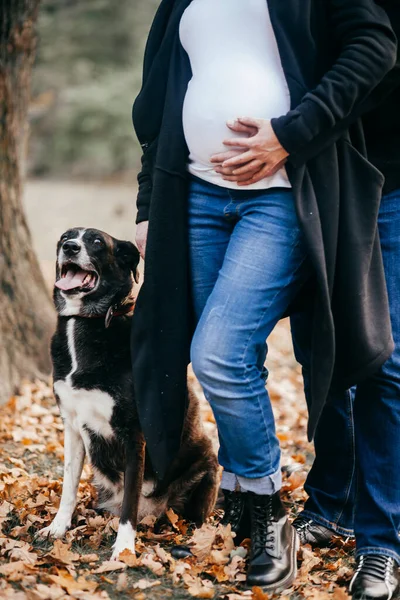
[[211, 102]]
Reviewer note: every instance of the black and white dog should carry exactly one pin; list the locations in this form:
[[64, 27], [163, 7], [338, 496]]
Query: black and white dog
[[94, 389]]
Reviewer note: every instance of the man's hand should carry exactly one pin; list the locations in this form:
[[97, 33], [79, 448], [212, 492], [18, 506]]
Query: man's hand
[[262, 154], [141, 237]]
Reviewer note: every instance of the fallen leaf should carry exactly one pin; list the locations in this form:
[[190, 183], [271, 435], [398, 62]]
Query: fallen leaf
[[45, 592], [234, 569], [89, 558], [148, 521], [202, 541], [111, 565], [219, 557], [61, 553], [122, 582], [144, 584], [13, 567], [172, 517], [218, 572], [340, 593], [309, 562], [258, 594], [127, 557], [179, 569], [148, 560], [72, 585], [164, 556], [201, 588]]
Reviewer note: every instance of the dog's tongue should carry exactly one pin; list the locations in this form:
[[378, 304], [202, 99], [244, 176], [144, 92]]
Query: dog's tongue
[[73, 279]]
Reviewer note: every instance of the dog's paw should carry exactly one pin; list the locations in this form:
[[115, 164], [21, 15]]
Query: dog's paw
[[56, 530], [126, 538]]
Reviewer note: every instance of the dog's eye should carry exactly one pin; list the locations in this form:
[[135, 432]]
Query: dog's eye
[[98, 242]]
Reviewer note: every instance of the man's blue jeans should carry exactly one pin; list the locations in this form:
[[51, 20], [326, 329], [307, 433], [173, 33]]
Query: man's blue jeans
[[248, 262], [354, 484]]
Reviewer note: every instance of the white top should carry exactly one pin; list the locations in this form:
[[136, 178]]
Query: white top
[[237, 72]]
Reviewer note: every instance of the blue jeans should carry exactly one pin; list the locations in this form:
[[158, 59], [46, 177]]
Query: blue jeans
[[354, 484], [248, 261]]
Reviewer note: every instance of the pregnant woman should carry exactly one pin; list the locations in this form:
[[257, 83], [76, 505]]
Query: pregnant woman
[[242, 119]]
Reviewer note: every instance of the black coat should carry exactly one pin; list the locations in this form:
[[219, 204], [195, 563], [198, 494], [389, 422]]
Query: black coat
[[333, 52]]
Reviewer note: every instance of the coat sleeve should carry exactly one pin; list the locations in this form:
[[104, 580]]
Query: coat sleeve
[[144, 191], [367, 53], [154, 41]]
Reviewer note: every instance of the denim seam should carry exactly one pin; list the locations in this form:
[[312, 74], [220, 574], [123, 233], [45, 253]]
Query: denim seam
[[269, 305], [374, 550], [261, 411], [249, 340], [329, 524]]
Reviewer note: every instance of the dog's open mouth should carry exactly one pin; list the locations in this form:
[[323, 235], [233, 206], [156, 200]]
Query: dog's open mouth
[[74, 279]]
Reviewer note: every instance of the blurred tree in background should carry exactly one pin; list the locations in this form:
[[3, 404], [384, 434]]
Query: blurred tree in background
[[26, 313], [86, 77], [87, 74]]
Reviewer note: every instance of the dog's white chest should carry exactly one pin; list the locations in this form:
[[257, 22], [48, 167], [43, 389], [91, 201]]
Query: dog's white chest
[[84, 409], [91, 409]]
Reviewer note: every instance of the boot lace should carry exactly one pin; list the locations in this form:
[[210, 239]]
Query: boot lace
[[263, 530], [376, 566], [303, 526], [233, 509]]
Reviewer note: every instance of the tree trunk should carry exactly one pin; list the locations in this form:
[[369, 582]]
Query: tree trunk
[[26, 314]]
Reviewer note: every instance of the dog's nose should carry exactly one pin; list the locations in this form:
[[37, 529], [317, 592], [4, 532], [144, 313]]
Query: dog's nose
[[71, 248]]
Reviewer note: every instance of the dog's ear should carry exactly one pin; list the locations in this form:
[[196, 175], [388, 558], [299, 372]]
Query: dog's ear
[[128, 255]]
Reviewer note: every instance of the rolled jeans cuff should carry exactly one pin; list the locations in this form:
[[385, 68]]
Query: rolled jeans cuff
[[263, 486]]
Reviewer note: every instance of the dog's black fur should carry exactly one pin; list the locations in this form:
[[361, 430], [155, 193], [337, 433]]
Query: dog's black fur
[[93, 385]]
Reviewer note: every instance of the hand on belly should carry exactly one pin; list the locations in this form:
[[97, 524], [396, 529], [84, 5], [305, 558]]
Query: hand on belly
[[261, 154]]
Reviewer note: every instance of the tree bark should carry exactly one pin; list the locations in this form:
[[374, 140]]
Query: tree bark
[[26, 313]]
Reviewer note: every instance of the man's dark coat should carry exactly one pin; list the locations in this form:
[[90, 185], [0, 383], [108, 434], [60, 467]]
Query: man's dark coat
[[334, 53]]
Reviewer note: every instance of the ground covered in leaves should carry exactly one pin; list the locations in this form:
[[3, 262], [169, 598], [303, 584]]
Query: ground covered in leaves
[[78, 567]]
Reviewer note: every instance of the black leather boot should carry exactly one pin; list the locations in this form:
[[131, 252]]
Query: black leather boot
[[312, 533], [237, 514], [274, 544], [376, 578]]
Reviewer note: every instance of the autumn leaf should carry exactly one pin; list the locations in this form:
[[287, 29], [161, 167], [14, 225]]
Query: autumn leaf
[[145, 584], [122, 582], [179, 570], [89, 558], [111, 565], [309, 562], [149, 561], [234, 569], [31, 447], [200, 588], [45, 592], [220, 557], [218, 572], [258, 594], [164, 556], [72, 585], [127, 557], [340, 594], [148, 521], [61, 553], [172, 517], [12, 567], [202, 541]]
